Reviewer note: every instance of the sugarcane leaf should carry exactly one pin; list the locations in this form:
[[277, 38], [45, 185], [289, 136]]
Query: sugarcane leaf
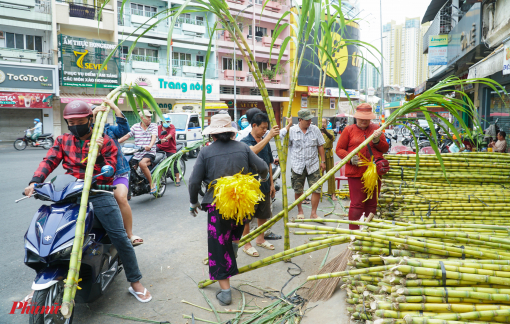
[[148, 99], [132, 102]]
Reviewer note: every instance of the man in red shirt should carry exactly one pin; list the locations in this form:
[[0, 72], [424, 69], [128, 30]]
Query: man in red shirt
[[169, 144], [72, 150]]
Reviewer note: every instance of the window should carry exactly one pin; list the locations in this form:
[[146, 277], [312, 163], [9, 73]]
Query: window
[[200, 60], [259, 2], [180, 59], [260, 31], [229, 90], [256, 92], [199, 20], [264, 66], [21, 41], [229, 65], [193, 122], [141, 10], [34, 43], [145, 55]]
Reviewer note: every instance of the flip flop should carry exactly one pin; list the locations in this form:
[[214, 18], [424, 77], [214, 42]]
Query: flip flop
[[177, 184], [134, 238], [306, 201], [251, 252], [266, 245], [135, 293], [154, 190], [301, 216]]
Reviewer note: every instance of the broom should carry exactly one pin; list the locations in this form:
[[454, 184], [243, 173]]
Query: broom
[[324, 289]]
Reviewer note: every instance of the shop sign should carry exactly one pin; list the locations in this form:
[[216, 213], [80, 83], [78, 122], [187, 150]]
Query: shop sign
[[23, 78], [304, 100], [444, 114], [438, 50], [314, 91], [170, 87], [351, 93], [95, 101], [81, 59], [412, 115], [25, 100], [506, 60], [465, 36]]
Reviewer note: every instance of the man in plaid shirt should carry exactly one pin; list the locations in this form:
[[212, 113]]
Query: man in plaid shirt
[[72, 150]]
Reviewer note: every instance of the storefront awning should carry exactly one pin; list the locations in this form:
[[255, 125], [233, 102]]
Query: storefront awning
[[91, 99], [489, 65]]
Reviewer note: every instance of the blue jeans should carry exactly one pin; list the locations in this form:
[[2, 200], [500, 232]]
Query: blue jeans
[[108, 213]]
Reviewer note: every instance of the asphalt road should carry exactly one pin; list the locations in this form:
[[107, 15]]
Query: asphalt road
[[175, 245]]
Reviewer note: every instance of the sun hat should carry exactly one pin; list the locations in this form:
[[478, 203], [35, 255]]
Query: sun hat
[[220, 123], [364, 111], [146, 112], [305, 114]]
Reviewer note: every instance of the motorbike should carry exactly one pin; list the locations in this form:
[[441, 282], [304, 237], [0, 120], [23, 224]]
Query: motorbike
[[138, 183], [389, 138], [45, 141], [277, 175], [49, 242]]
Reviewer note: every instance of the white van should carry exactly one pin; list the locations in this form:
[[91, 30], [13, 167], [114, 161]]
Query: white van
[[186, 117]]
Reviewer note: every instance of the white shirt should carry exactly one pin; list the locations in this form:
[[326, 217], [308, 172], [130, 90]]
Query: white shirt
[[303, 148], [243, 133]]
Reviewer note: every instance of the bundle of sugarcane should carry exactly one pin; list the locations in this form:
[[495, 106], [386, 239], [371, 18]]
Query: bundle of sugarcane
[[431, 273], [472, 186]]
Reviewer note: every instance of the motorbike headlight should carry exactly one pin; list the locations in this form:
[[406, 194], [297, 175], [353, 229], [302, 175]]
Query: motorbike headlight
[[63, 251], [181, 137], [31, 247]]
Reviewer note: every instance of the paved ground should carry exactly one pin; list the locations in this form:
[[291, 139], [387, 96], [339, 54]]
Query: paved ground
[[170, 259]]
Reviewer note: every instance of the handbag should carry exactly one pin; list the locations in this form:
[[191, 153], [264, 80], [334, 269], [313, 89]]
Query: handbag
[[382, 165]]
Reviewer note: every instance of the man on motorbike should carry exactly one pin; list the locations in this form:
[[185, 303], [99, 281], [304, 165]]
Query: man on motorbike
[[169, 144], [145, 134], [72, 150], [37, 130]]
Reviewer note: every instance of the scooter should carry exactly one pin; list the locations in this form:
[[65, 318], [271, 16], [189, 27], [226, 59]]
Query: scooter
[[277, 174], [49, 241], [45, 141], [389, 138]]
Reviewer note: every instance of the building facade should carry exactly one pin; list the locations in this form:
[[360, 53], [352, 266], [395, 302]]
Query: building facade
[[28, 75], [403, 59], [370, 77]]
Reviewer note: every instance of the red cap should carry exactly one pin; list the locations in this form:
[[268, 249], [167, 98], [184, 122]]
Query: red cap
[[77, 109]]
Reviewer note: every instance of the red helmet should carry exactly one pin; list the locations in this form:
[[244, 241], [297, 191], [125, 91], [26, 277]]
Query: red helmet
[[77, 109]]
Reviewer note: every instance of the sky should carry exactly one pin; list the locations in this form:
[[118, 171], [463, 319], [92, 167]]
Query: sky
[[396, 10]]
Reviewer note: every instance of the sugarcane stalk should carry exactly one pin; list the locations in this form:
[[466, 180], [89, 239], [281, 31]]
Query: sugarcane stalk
[[76, 253]]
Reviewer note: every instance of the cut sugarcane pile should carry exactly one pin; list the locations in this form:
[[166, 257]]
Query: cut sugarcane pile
[[477, 189], [436, 273]]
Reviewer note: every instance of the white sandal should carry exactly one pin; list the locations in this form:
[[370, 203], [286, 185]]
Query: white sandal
[[135, 293]]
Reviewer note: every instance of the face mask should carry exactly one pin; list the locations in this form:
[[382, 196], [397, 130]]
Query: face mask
[[79, 130], [244, 124], [35, 123], [166, 125]]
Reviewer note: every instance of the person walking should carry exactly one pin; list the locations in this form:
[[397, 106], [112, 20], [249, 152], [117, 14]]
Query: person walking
[[306, 143], [169, 145], [121, 177], [224, 157], [329, 138], [260, 125], [352, 136], [145, 134]]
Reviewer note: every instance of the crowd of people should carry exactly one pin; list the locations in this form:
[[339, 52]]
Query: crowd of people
[[237, 147]]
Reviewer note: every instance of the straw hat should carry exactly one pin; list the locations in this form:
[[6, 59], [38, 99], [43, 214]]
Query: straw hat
[[364, 111], [220, 123]]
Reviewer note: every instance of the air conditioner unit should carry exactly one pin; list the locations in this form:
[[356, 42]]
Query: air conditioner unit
[[2, 35]]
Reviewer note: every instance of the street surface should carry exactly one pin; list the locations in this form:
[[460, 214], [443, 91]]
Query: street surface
[[170, 259]]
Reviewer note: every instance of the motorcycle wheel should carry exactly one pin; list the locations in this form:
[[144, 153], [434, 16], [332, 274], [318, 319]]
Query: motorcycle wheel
[[20, 145], [47, 144], [47, 298], [183, 167], [162, 187], [193, 154]]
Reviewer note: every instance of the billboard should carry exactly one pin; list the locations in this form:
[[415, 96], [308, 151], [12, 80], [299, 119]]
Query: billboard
[[348, 64], [80, 60], [29, 77], [465, 36], [438, 50]]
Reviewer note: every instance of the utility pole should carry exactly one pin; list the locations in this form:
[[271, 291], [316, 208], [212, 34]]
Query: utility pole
[[382, 64]]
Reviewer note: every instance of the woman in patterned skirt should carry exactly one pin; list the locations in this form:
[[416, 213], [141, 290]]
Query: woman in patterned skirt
[[224, 157]]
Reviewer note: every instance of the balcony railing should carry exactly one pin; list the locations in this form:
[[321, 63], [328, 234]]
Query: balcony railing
[[191, 21], [143, 13], [25, 56], [140, 58], [176, 62], [43, 6]]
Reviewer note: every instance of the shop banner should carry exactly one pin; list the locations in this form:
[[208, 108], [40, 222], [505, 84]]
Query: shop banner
[[96, 101], [332, 92], [81, 59], [506, 59], [353, 94], [25, 100], [314, 91], [438, 50], [19, 77], [466, 35], [170, 87], [304, 101]]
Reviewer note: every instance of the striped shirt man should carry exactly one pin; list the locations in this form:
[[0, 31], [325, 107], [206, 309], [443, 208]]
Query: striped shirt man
[[143, 138], [303, 148]]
